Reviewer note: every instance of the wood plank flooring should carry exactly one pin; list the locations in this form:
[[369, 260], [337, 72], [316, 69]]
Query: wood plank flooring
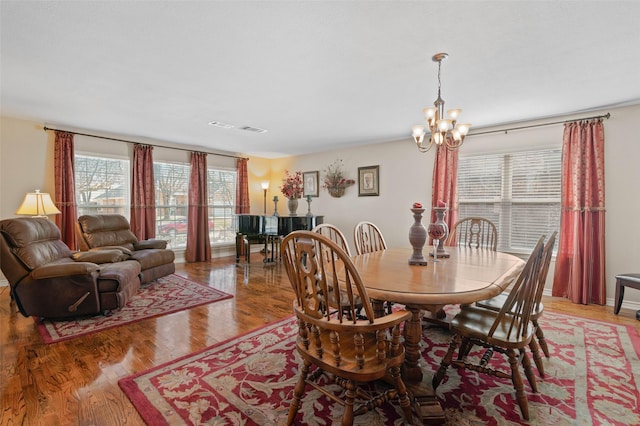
[[74, 382]]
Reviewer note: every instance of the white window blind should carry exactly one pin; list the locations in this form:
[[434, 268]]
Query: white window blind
[[519, 192]]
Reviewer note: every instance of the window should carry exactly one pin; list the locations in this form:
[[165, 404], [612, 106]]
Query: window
[[102, 185], [221, 185], [519, 192], [172, 201]]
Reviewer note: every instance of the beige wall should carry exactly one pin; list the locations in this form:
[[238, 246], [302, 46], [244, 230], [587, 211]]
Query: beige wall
[[26, 163]]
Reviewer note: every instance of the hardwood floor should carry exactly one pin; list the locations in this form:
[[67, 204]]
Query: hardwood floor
[[74, 382]]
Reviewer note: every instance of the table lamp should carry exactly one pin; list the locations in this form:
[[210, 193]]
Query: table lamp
[[37, 204]]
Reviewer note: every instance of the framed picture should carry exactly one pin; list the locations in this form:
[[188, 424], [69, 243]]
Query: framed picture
[[368, 181], [310, 183]]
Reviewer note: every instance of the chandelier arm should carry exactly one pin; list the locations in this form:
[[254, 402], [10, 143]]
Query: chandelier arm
[[422, 148]]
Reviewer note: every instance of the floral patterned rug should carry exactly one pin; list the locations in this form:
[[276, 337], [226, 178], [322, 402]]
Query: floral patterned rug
[[592, 377], [163, 296]]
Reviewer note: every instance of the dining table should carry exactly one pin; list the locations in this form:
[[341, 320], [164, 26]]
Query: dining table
[[466, 276]]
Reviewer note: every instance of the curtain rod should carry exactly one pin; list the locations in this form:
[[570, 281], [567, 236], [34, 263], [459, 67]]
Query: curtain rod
[[605, 116], [142, 143]]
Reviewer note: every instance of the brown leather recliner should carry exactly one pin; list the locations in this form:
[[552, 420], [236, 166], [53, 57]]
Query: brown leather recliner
[[109, 231], [46, 279]]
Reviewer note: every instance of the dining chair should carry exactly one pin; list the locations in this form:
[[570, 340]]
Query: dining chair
[[496, 303], [343, 348], [507, 332], [368, 238], [475, 232], [334, 234]]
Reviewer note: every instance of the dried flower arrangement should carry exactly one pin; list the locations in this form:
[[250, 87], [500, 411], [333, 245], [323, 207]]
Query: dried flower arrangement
[[334, 180], [292, 185]]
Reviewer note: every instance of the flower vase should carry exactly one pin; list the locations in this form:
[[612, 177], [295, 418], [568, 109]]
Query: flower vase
[[440, 213], [417, 238], [292, 204]]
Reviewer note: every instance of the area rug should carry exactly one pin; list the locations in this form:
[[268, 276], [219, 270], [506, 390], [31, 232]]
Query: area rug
[[163, 296], [592, 378]]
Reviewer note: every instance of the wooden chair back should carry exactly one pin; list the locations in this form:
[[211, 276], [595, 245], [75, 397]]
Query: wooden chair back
[[368, 238], [334, 234], [475, 232], [547, 254], [350, 348], [516, 312]]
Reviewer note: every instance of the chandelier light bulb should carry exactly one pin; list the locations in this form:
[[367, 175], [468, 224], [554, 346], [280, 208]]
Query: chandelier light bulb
[[454, 113], [463, 129], [444, 125], [429, 112], [418, 133]]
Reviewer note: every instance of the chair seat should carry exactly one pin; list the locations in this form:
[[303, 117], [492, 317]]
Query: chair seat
[[496, 303], [634, 278], [347, 366], [475, 322]]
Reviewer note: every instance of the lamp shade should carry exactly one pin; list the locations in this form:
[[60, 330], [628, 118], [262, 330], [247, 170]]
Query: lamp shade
[[37, 204]]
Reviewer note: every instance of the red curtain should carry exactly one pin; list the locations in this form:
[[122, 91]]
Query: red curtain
[[65, 187], [143, 197], [580, 263], [198, 245], [242, 192], [445, 183]]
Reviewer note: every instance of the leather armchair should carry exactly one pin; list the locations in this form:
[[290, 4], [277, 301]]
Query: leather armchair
[[46, 281], [112, 231]]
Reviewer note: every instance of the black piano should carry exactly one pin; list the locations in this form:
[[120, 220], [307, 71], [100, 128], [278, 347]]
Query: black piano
[[259, 228]]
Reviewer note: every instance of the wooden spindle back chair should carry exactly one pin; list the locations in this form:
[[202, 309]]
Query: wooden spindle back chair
[[507, 332], [496, 303], [339, 345]]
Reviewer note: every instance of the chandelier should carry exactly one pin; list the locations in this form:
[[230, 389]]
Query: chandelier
[[444, 130]]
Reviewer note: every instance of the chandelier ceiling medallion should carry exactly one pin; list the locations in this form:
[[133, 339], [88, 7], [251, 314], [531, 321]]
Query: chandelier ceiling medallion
[[444, 130]]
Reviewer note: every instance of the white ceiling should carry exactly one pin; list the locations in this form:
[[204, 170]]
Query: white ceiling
[[318, 75]]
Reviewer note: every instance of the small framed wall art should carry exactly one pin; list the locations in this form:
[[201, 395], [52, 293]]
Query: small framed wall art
[[368, 181], [310, 183]]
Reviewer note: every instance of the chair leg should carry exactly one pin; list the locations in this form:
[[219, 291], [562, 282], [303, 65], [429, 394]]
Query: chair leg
[[349, 400], [516, 379], [403, 396], [298, 392], [446, 361], [465, 347], [541, 340], [535, 350], [528, 371], [619, 296]]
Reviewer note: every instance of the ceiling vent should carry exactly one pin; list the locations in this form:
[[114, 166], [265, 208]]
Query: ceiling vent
[[222, 125], [253, 129]]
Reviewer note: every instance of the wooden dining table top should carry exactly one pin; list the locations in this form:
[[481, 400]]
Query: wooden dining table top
[[468, 275]]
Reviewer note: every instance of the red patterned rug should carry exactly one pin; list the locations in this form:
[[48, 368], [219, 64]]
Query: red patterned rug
[[165, 295], [592, 378]]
